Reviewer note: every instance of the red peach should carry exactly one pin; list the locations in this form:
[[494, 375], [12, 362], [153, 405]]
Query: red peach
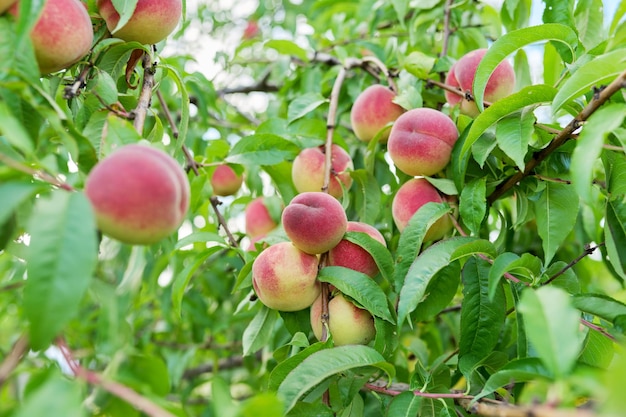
[[262, 216], [139, 194], [314, 221], [372, 110], [285, 278], [461, 75], [421, 141], [251, 30], [62, 35], [225, 181], [350, 255], [412, 195], [307, 171], [347, 323], [151, 22]]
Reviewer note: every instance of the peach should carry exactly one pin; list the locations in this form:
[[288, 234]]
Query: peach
[[252, 30], [421, 141], [307, 171], [314, 221], [350, 255], [225, 181], [285, 278], [139, 194], [347, 323], [262, 215], [461, 75], [372, 110], [62, 35], [151, 22], [412, 195]]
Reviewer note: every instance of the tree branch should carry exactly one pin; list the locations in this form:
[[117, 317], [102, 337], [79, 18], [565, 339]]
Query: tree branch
[[20, 347], [145, 96]]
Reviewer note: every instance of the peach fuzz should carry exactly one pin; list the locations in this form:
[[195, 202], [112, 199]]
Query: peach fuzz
[[372, 110], [307, 171], [139, 194], [412, 195], [285, 278], [461, 75], [350, 255], [151, 22], [62, 35], [314, 221], [347, 323], [259, 217], [225, 181], [421, 141]]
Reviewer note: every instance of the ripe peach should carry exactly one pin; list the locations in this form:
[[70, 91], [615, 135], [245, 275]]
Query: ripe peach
[[139, 194], [347, 323], [372, 110], [62, 35], [353, 256], [225, 181], [307, 171], [314, 221], [421, 141], [412, 195], [500, 83], [285, 278], [262, 216], [151, 22], [252, 30]]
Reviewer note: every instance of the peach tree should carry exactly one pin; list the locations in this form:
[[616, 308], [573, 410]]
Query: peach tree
[[312, 208]]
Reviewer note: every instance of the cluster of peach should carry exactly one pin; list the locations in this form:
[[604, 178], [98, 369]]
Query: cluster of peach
[[63, 33], [419, 143]]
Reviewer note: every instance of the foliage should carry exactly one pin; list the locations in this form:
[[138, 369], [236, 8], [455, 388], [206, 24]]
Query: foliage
[[523, 303]]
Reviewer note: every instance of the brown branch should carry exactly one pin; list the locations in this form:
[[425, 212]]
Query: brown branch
[[508, 410], [262, 85], [215, 203], [35, 173], [446, 27], [73, 90], [222, 364], [383, 68], [561, 138], [145, 96], [588, 251], [20, 347]]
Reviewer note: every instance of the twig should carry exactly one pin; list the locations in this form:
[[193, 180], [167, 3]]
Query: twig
[[262, 85], [35, 173], [509, 410], [222, 364], [145, 96], [383, 68], [560, 139], [446, 27], [121, 391], [215, 203], [20, 347], [72, 90], [588, 251]]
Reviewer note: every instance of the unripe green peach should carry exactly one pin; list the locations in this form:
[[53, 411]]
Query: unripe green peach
[[139, 194], [347, 323], [421, 141], [285, 278], [350, 255], [314, 221], [225, 181], [307, 171], [151, 22], [372, 110], [62, 35], [412, 195], [462, 74], [262, 216]]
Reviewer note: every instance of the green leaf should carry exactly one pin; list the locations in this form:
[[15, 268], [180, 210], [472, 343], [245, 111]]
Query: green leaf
[[475, 247], [552, 326], [589, 22], [529, 96], [360, 287], [125, 8], [406, 404], [512, 41], [283, 369], [263, 149], [422, 270], [183, 123], [105, 88], [57, 396], [13, 130], [419, 64], [368, 199], [600, 305], [182, 279], [527, 265], [61, 260], [287, 47], [482, 317], [516, 371], [598, 71], [439, 293], [589, 145], [473, 204], [379, 252], [303, 105], [325, 363], [597, 351], [513, 133], [259, 331], [615, 233], [12, 195], [556, 211], [412, 237]]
